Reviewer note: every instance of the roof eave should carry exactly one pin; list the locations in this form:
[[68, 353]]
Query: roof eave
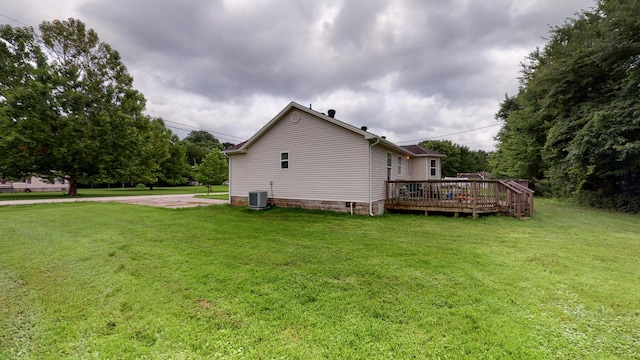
[[431, 155], [234, 152]]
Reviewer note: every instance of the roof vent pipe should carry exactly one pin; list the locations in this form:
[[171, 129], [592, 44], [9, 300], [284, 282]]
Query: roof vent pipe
[[332, 113], [364, 128]]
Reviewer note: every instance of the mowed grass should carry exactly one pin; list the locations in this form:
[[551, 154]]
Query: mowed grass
[[115, 191], [215, 196], [116, 281]]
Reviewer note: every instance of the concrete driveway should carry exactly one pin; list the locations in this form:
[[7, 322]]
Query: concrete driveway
[[167, 201]]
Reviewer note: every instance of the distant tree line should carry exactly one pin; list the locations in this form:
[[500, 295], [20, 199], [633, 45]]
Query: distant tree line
[[574, 124], [68, 110]]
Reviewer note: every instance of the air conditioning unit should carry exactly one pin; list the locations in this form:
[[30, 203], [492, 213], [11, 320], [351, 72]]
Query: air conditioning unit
[[258, 199]]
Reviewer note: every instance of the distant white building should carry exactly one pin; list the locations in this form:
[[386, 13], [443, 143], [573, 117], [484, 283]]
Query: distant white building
[[33, 183]]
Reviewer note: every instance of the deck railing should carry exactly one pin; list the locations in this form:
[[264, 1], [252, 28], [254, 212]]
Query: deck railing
[[470, 196]]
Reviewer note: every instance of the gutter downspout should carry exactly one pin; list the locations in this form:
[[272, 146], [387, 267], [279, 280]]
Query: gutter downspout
[[229, 162], [371, 147]]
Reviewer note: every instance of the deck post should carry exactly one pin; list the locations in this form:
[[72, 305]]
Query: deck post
[[474, 200], [387, 188], [519, 206]]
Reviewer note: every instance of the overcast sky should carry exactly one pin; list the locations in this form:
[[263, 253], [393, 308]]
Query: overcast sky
[[408, 69]]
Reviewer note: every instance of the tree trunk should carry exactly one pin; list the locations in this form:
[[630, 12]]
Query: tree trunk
[[73, 188]]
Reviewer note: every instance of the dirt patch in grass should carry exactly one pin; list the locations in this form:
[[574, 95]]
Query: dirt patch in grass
[[172, 202]]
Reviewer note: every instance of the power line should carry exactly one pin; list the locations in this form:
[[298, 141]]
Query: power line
[[12, 19], [211, 131], [478, 142], [229, 137], [222, 138], [190, 126], [445, 135]]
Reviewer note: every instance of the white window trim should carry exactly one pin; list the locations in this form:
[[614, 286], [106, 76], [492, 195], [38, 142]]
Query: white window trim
[[389, 165], [433, 167], [288, 160]]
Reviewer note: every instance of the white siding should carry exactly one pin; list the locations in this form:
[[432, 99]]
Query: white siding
[[326, 162], [419, 171], [422, 168], [379, 170]]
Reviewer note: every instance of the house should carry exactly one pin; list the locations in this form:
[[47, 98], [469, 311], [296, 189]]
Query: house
[[33, 183], [306, 159]]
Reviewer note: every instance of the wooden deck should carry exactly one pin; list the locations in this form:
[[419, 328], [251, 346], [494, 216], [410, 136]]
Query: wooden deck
[[474, 197]]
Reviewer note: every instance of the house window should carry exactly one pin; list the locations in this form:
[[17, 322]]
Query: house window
[[388, 166], [409, 166], [434, 167], [284, 160], [399, 165]]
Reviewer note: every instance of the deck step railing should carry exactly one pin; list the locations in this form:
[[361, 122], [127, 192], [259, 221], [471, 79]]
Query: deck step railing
[[519, 199]]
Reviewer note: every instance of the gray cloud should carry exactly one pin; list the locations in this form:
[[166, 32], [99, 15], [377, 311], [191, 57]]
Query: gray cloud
[[409, 68]]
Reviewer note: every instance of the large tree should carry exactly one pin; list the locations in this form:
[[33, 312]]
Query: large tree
[[521, 139], [576, 118], [153, 152], [22, 64], [175, 170], [67, 107]]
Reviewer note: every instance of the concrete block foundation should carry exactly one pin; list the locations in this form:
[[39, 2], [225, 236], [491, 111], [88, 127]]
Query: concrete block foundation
[[359, 208]]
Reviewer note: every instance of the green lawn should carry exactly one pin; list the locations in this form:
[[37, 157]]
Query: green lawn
[[215, 196], [117, 281], [115, 192]]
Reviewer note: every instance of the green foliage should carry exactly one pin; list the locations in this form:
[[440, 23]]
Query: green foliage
[[199, 144], [154, 151], [162, 157], [521, 140], [143, 282], [459, 158], [175, 169], [22, 64], [214, 169], [71, 113], [576, 116]]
